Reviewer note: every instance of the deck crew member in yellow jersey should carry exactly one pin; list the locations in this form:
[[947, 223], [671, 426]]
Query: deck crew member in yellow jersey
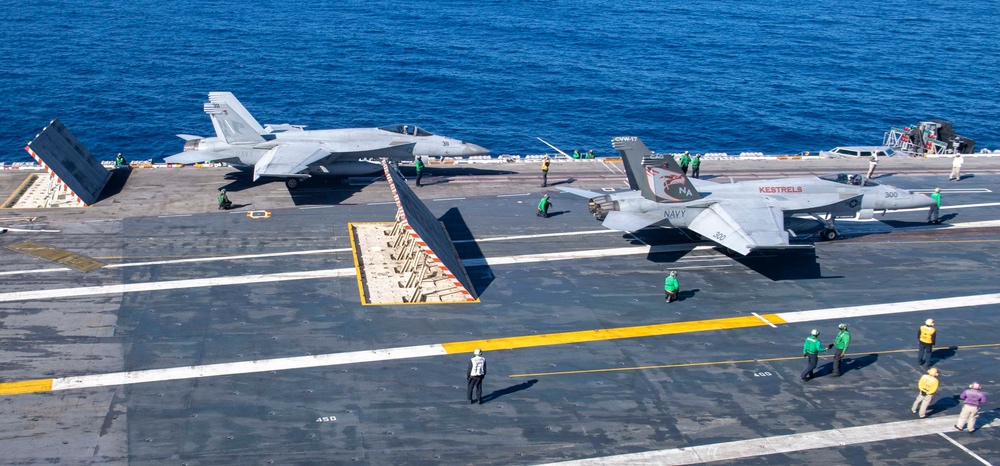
[[926, 338], [545, 171], [928, 386]]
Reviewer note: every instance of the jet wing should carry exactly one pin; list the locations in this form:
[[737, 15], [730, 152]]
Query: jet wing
[[579, 192], [288, 159], [742, 225]]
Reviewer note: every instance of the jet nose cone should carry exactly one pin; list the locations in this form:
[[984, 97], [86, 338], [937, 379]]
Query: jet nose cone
[[472, 149]]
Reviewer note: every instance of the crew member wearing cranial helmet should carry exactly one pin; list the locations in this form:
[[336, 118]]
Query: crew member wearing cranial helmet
[[932, 214], [811, 350], [973, 399], [671, 287], [927, 386], [926, 338], [841, 343], [475, 374]]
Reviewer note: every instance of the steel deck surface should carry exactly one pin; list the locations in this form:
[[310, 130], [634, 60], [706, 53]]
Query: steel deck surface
[[188, 286]]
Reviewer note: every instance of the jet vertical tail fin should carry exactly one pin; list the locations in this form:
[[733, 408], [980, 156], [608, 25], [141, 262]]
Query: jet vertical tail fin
[[661, 184], [231, 120]]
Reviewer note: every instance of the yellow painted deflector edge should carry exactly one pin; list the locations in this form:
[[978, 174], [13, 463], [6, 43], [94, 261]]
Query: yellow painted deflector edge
[[27, 386], [528, 341], [357, 264]]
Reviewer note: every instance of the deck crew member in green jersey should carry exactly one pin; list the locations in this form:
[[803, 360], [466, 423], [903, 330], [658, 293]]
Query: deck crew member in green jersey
[[696, 166], [811, 350], [685, 161], [671, 287], [935, 207], [543, 207], [420, 169], [843, 339]]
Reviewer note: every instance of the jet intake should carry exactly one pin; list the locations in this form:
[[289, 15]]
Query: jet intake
[[866, 214]]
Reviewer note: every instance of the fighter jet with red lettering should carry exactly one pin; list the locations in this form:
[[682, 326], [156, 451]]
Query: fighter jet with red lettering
[[742, 216]]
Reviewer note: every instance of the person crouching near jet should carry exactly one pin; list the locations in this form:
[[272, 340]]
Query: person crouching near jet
[[224, 202], [671, 287], [543, 207]]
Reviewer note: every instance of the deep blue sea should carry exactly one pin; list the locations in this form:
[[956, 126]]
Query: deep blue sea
[[704, 76]]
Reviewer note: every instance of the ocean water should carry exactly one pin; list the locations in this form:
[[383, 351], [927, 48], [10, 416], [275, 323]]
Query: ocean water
[[707, 76]]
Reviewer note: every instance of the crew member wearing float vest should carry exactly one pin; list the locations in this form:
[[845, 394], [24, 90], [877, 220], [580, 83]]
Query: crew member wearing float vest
[[926, 338], [475, 375], [927, 386], [545, 171]]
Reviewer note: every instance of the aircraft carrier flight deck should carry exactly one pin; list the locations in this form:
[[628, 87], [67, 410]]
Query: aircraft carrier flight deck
[[182, 334]]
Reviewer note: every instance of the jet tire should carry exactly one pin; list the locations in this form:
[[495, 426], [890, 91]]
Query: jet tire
[[292, 183], [828, 234]]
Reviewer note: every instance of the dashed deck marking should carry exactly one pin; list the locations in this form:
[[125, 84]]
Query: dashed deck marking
[[731, 362]]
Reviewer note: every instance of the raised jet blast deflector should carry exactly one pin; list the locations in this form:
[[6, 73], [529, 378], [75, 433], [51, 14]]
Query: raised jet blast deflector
[[69, 162]]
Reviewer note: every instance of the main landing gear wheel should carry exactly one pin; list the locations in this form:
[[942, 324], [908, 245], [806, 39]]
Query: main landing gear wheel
[[828, 234], [292, 183]]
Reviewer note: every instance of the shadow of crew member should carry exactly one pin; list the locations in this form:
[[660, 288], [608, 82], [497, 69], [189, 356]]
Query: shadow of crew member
[[224, 202], [512, 389]]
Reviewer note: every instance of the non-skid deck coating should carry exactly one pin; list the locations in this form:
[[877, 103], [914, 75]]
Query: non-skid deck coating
[[201, 288]]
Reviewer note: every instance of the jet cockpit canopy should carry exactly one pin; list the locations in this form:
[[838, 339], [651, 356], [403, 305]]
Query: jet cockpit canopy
[[853, 179], [409, 130]]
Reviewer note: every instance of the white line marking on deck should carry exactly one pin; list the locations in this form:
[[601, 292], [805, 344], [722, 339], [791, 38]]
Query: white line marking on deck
[[514, 195], [728, 451], [959, 445], [840, 313], [245, 367], [449, 199], [763, 319], [173, 285], [173, 216]]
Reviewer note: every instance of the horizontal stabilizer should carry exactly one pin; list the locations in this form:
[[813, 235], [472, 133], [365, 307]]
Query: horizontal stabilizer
[[189, 137], [629, 221], [580, 192], [189, 157]]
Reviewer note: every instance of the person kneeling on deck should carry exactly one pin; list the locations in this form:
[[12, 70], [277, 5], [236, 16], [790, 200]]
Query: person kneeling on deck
[[224, 202], [543, 207], [120, 161], [671, 287]]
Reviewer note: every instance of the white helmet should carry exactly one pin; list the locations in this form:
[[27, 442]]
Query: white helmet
[[477, 352], [814, 333], [974, 386], [929, 322]]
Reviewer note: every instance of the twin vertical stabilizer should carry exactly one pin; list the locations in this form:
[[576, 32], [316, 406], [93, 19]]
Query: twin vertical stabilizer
[[661, 184]]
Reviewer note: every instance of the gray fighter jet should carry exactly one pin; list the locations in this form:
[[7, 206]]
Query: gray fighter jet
[[293, 153], [742, 216]]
